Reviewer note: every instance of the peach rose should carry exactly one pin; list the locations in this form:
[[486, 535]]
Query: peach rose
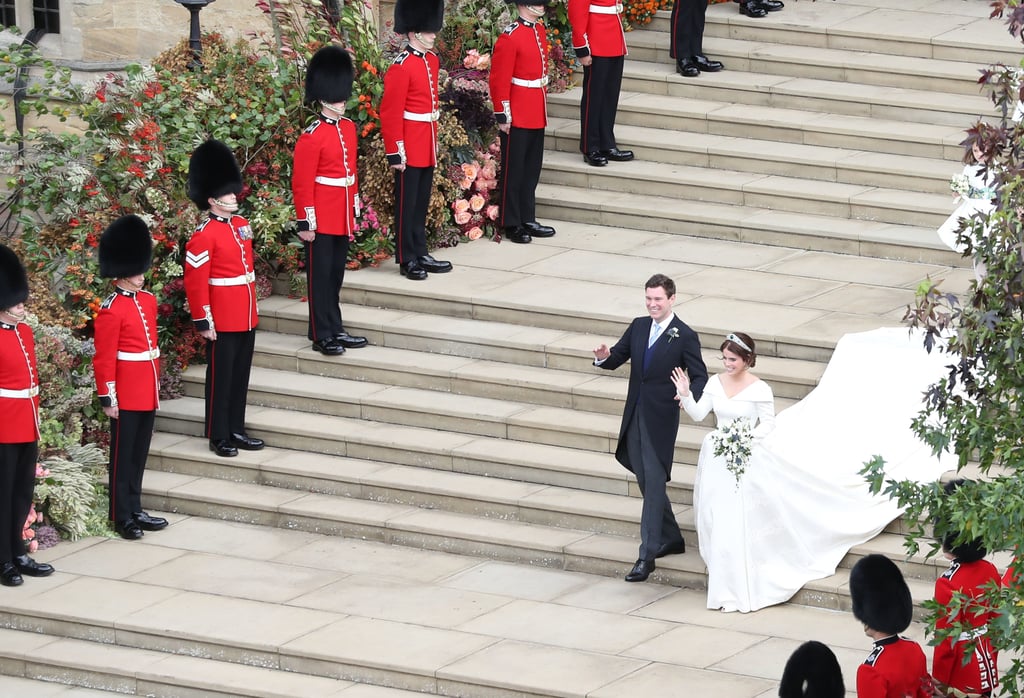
[[477, 202], [492, 212], [474, 233], [463, 217], [470, 170], [460, 205]]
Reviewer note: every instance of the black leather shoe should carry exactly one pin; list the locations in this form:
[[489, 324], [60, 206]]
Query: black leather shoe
[[771, 5], [752, 9], [595, 158], [9, 575], [434, 266], [129, 530], [246, 442], [520, 235], [328, 347], [413, 271], [688, 68], [706, 65], [672, 549], [149, 523], [617, 155], [223, 448], [30, 568], [641, 571], [539, 231], [348, 341]]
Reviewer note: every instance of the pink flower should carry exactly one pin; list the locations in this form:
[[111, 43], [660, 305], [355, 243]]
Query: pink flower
[[485, 185], [477, 202], [470, 170], [463, 217], [472, 59], [33, 545], [492, 212], [460, 205], [474, 233], [465, 184], [483, 63], [490, 170]]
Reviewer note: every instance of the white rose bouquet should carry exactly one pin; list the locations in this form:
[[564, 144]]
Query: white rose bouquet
[[733, 442]]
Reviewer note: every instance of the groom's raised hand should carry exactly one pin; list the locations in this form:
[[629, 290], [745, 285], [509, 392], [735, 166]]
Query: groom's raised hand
[[602, 352]]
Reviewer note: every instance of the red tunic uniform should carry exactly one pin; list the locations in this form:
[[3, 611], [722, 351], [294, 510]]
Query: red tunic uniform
[[519, 75], [19, 385], [896, 668], [979, 674], [220, 282], [596, 28], [127, 360], [410, 108], [324, 182]]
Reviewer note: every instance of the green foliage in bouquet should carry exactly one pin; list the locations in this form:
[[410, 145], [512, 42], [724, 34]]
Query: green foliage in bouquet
[[69, 495]]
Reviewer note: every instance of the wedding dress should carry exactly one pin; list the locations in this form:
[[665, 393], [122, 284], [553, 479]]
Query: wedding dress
[[802, 504], [977, 199]]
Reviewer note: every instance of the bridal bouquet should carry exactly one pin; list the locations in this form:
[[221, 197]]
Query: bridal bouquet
[[733, 442], [960, 185]]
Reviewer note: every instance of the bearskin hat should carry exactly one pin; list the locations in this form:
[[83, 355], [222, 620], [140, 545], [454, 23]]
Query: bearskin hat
[[812, 672], [329, 75], [13, 279], [212, 172], [968, 550], [881, 597], [125, 248], [419, 16]]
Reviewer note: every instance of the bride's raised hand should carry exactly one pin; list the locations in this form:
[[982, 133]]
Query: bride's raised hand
[[681, 381]]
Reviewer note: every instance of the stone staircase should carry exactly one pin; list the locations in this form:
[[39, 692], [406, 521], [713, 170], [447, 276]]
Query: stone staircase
[[794, 196]]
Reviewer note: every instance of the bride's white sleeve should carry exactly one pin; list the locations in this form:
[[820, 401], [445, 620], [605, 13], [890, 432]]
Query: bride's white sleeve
[[765, 415], [697, 409]]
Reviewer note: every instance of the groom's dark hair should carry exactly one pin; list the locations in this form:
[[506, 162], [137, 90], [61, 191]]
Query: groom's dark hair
[[662, 281]]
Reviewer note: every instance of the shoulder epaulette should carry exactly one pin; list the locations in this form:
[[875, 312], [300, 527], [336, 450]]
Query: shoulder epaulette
[[953, 569], [108, 301], [313, 126], [511, 28], [400, 58], [202, 225]]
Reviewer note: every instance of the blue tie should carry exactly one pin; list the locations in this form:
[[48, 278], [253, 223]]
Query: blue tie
[[655, 331]]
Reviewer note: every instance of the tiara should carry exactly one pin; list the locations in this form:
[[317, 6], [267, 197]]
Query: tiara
[[737, 341]]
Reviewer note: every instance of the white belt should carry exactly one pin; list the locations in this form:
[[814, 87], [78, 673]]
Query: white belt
[[235, 280], [615, 9], [539, 82], [337, 181], [139, 355], [973, 634], [26, 393], [429, 116]]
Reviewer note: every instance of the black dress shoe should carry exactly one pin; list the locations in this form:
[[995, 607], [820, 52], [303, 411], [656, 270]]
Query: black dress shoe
[[688, 68], [149, 523], [129, 530], [677, 548], [223, 448], [539, 231], [246, 442], [9, 575], [771, 5], [706, 65], [641, 571], [30, 568], [617, 155], [752, 9], [348, 341], [328, 347], [413, 271], [434, 266], [520, 235], [595, 158]]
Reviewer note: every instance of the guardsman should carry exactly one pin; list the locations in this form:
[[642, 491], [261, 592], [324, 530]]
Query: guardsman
[[686, 43], [881, 601], [409, 111], [220, 284], [600, 46], [326, 193], [519, 88], [19, 423], [127, 370]]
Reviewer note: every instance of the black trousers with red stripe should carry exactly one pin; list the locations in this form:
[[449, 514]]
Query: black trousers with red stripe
[[413, 187], [228, 364], [130, 435], [17, 483], [326, 257], [602, 80], [687, 27], [522, 156]]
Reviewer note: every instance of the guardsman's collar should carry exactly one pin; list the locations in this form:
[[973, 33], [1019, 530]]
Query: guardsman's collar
[[222, 219], [525, 22], [124, 292], [6, 325], [415, 51], [887, 640], [328, 120]]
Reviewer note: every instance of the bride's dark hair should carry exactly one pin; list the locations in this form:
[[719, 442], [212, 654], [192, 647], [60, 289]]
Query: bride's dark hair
[[749, 354]]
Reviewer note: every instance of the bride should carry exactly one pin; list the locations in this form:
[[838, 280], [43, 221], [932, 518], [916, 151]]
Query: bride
[[801, 503]]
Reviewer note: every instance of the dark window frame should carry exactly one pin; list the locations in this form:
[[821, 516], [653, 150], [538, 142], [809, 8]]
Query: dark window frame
[[46, 15]]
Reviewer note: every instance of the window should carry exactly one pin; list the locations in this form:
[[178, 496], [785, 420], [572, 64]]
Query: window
[[8, 17], [45, 15]]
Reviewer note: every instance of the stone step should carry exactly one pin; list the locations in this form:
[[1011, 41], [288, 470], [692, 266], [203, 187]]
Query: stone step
[[748, 155], [820, 63], [816, 96], [703, 115], [948, 30], [757, 191]]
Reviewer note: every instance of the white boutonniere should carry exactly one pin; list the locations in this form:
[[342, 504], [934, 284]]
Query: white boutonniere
[[672, 333]]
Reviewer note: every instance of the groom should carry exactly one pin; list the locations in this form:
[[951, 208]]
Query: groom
[[654, 345]]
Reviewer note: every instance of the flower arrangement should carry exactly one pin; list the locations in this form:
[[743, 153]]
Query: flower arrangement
[[733, 442], [960, 185], [639, 13], [373, 243], [474, 213]]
